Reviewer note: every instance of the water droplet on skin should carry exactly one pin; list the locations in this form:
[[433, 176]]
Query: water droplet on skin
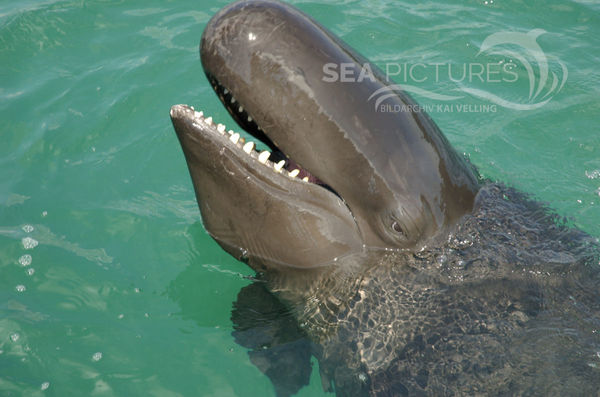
[[30, 271], [97, 356], [15, 337], [20, 288], [27, 228], [44, 213], [45, 386]]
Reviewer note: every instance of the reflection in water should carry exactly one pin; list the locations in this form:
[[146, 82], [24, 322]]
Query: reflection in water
[[277, 345], [201, 294]]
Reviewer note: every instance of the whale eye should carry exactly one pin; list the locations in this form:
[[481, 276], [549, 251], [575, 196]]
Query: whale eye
[[397, 228]]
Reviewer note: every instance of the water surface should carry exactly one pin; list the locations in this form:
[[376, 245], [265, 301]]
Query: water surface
[[109, 284]]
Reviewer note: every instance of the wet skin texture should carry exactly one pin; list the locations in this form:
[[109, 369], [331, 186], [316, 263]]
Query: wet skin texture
[[390, 264]]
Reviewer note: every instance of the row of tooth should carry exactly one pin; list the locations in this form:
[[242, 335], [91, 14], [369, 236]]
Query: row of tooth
[[233, 102], [247, 147]]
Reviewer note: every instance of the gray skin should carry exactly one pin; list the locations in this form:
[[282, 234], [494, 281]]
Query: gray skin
[[257, 214], [390, 265], [400, 182]]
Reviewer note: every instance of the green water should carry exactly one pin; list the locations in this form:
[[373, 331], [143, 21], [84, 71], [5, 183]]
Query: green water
[[124, 293]]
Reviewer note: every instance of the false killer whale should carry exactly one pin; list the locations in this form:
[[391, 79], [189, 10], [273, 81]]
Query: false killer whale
[[378, 249]]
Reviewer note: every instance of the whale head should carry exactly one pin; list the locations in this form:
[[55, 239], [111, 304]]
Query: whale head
[[339, 176]]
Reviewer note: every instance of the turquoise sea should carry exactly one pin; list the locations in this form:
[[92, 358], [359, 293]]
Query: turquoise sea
[[109, 284]]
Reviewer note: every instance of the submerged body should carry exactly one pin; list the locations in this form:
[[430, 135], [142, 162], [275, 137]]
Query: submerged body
[[507, 306], [376, 248]]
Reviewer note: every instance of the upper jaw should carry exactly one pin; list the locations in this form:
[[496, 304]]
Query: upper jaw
[[240, 113], [386, 166]]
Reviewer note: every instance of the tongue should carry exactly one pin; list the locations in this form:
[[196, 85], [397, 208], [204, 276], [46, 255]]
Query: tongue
[[291, 165]]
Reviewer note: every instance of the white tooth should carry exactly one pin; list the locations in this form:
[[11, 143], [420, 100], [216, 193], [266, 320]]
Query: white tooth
[[191, 107], [264, 156], [249, 119], [279, 166], [232, 99], [305, 179], [225, 91], [294, 173], [230, 132], [221, 128], [198, 114], [249, 147], [235, 138], [241, 109], [208, 120]]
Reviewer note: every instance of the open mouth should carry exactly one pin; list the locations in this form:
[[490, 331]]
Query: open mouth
[[273, 157], [261, 206]]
